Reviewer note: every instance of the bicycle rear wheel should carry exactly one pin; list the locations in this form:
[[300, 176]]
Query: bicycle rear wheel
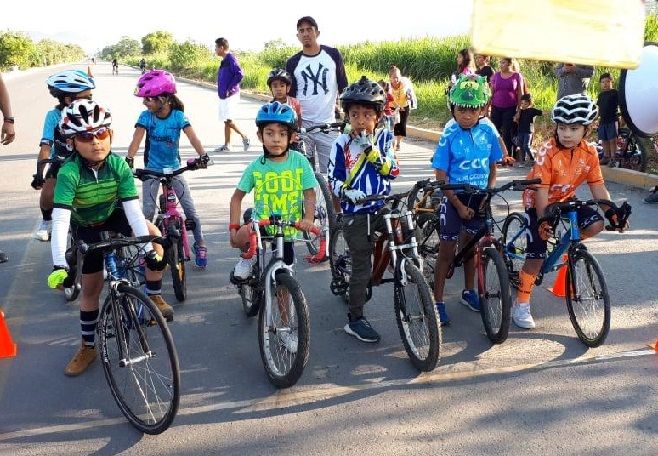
[[340, 261], [324, 216], [427, 235], [495, 299], [636, 153], [284, 341], [587, 298], [515, 244], [417, 319], [146, 383]]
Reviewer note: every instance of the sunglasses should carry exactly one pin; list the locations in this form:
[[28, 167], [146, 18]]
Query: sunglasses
[[88, 136]]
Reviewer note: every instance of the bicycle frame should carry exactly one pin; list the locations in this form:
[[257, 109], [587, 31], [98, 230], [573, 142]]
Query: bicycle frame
[[170, 213], [572, 236]]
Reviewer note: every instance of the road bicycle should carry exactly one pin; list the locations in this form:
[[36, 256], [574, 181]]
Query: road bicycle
[[274, 294], [395, 251], [325, 210], [169, 220], [586, 295], [492, 276], [139, 358]]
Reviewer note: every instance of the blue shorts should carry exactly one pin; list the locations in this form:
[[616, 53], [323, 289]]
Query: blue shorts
[[607, 131], [451, 224]]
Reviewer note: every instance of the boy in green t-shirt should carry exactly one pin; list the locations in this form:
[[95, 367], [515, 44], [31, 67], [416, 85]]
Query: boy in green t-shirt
[[281, 180]]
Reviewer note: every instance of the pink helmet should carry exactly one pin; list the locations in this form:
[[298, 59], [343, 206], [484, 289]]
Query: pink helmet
[[155, 83]]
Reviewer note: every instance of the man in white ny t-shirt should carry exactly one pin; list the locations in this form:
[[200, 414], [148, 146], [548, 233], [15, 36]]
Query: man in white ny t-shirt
[[318, 78]]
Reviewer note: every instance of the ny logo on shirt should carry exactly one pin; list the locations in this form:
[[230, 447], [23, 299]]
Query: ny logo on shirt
[[318, 79]]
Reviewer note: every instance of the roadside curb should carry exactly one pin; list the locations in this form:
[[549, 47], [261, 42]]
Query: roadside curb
[[617, 175]]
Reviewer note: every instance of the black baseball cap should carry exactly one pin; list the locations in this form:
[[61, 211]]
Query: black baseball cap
[[308, 20]]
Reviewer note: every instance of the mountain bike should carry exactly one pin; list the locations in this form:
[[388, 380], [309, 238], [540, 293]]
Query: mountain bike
[[325, 210], [396, 251], [274, 294], [139, 358], [492, 275], [630, 151], [169, 220], [586, 296]]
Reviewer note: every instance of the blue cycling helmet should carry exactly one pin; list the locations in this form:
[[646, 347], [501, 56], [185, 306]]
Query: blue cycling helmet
[[69, 82], [276, 112]]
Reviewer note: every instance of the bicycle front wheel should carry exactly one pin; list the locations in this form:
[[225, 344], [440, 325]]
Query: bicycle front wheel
[[176, 262], [324, 216], [139, 360], [587, 298], [495, 299], [284, 338], [427, 236], [417, 319], [515, 244]]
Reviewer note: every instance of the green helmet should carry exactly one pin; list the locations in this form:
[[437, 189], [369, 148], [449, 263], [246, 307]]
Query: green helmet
[[470, 91]]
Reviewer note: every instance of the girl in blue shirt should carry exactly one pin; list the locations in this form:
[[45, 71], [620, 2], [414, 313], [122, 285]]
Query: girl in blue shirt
[[162, 123]]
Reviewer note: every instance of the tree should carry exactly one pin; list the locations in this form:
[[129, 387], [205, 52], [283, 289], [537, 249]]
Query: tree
[[157, 42], [188, 55], [17, 49]]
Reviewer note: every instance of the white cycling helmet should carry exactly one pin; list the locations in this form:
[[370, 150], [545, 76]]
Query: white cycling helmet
[[575, 109], [83, 115], [70, 81]]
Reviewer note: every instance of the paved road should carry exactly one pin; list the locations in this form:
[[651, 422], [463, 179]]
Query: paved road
[[540, 392]]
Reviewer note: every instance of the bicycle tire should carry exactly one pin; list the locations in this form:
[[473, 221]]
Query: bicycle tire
[[594, 334], [514, 254], [323, 212], [161, 351], [638, 160], [495, 306], [176, 262], [283, 367], [417, 321], [340, 262], [427, 236]]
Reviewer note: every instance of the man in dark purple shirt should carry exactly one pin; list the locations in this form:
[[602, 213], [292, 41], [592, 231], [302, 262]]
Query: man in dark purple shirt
[[229, 76]]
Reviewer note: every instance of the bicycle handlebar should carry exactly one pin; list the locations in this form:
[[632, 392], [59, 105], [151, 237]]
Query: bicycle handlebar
[[324, 128], [119, 242], [253, 235], [393, 197], [192, 165], [516, 185]]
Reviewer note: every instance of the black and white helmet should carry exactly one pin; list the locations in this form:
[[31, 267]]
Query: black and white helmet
[[575, 109], [364, 92], [82, 116]]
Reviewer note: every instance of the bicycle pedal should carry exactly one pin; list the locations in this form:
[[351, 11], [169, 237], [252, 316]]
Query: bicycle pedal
[[338, 286]]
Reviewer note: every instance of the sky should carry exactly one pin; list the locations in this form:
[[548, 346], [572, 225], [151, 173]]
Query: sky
[[247, 25]]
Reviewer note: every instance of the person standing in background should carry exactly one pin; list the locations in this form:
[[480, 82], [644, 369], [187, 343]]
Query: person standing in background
[[483, 67], [229, 75], [507, 89], [8, 134], [572, 79], [608, 104], [403, 101]]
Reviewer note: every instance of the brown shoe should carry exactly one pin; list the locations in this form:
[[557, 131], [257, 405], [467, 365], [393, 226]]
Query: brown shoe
[[81, 360], [165, 309]]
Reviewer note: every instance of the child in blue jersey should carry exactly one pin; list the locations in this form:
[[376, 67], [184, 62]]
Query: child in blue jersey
[[162, 123], [467, 154], [282, 180], [67, 87], [362, 164]]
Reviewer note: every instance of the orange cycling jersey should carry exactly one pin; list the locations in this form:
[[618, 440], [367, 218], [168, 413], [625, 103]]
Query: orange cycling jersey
[[562, 170]]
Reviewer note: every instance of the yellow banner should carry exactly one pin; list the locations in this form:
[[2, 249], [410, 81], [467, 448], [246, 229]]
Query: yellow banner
[[588, 32]]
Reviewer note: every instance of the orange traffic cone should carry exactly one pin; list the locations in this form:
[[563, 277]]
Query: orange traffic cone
[[7, 345], [655, 346], [559, 286]]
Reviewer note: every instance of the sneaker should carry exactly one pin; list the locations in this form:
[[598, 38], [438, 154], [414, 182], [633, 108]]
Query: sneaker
[[165, 309], [361, 329], [471, 300], [223, 148], [443, 314], [245, 143], [43, 232], [652, 197], [80, 361], [289, 341], [242, 269], [521, 316], [200, 256], [3, 257]]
